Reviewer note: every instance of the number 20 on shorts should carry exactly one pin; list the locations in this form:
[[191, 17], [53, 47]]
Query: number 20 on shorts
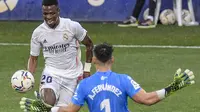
[[46, 79]]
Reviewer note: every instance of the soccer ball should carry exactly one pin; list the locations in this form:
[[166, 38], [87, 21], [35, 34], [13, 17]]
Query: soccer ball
[[167, 17], [22, 81], [186, 17]]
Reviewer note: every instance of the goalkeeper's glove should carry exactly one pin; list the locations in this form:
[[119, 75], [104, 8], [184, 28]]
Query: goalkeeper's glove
[[180, 81], [33, 105]]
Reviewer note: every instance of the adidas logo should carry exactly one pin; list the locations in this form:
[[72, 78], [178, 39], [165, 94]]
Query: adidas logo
[[45, 41]]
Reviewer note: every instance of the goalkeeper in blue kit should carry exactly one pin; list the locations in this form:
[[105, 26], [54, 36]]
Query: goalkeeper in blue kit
[[107, 91]]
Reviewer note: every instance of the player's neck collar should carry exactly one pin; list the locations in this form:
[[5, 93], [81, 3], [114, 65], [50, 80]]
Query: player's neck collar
[[104, 71]]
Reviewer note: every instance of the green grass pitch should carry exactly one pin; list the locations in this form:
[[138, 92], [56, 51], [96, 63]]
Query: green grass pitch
[[152, 68]]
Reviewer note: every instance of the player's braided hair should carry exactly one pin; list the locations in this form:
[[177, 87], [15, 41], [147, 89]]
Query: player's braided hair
[[103, 52], [49, 2]]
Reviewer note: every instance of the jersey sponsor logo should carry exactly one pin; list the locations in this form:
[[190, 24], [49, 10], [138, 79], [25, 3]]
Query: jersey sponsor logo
[[56, 49], [104, 87]]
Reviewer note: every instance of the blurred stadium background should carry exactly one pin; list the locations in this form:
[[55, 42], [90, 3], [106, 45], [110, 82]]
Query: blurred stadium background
[[150, 56]]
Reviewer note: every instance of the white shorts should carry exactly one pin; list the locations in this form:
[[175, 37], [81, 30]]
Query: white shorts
[[62, 87]]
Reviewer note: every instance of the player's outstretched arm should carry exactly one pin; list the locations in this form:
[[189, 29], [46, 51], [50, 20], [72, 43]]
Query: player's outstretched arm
[[32, 63], [89, 47], [180, 81], [145, 98]]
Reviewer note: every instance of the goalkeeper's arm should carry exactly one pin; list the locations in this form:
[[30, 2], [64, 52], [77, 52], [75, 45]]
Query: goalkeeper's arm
[[181, 80]]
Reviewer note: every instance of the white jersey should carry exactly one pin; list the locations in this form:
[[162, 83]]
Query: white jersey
[[60, 47]]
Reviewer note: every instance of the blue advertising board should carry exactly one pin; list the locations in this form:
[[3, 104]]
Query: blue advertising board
[[81, 10]]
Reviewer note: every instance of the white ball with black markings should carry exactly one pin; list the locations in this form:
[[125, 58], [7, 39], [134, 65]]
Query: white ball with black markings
[[167, 17], [22, 81], [186, 17]]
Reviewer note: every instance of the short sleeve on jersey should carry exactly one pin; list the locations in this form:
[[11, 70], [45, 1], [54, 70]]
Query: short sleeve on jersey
[[131, 86], [79, 31], [35, 45], [79, 95]]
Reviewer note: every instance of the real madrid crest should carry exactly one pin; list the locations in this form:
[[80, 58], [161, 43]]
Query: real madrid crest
[[65, 37]]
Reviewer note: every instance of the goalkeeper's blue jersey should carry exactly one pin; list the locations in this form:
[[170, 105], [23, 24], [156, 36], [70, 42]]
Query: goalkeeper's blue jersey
[[106, 92]]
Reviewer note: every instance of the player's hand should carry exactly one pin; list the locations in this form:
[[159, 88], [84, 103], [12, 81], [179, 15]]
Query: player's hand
[[33, 105], [86, 74], [26, 105], [181, 80]]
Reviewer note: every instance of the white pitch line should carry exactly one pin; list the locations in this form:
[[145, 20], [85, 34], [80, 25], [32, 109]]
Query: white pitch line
[[157, 46], [14, 44], [120, 46]]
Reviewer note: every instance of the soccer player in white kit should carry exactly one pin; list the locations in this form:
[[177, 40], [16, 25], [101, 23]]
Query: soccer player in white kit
[[59, 40]]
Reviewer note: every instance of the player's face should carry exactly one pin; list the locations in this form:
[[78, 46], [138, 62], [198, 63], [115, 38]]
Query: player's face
[[51, 15]]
